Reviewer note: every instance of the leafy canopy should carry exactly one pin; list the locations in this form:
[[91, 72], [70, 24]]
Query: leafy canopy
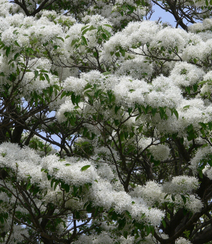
[[105, 122]]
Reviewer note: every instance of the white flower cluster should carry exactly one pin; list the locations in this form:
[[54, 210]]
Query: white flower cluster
[[207, 84], [208, 171], [182, 240], [164, 93], [151, 192], [158, 80], [170, 38], [181, 185], [135, 34], [65, 107], [74, 84], [160, 152], [27, 165], [203, 26], [185, 74], [25, 162], [70, 172], [201, 154], [103, 237], [6, 8], [137, 68], [105, 196], [34, 32], [154, 193]]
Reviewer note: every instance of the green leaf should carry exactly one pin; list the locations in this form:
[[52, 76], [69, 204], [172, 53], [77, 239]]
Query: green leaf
[[117, 109], [74, 42], [203, 125], [128, 214], [166, 196], [190, 128], [87, 28], [154, 111], [56, 184], [112, 26], [107, 33], [173, 198], [77, 99], [104, 37], [125, 234], [145, 109], [16, 43], [163, 114], [64, 93], [117, 54], [8, 51], [164, 223], [47, 78], [64, 186], [122, 223], [195, 87], [186, 107], [52, 182], [16, 56], [84, 27], [200, 174], [121, 136], [1, 219], [148, 229], [175, 113], [85, 167], [184, 199], [187, 234], [95, 54], [106, 73], [111, 96], [41, 76], [122, 52], [131, 90], [84, 41], [58, 37], [28, 186], [210, 125]]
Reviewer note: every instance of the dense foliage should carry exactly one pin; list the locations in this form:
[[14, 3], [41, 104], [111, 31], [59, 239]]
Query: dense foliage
[[105, 122]]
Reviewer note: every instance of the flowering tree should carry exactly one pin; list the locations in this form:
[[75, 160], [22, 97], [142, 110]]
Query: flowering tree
[[105, 122]]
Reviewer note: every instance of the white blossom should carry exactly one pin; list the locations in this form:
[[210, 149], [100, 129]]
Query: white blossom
[[160, 152], [182, 240], [201, 154], [185, 74], [181, 185]]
